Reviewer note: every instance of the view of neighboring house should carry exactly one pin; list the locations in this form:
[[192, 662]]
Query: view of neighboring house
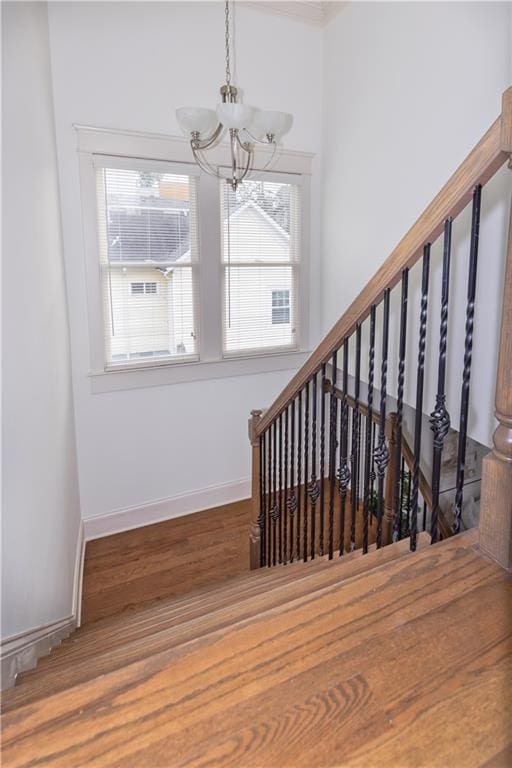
[[148, 236]]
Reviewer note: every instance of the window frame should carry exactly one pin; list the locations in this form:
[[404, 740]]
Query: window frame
[[297, 277], [113, 148]]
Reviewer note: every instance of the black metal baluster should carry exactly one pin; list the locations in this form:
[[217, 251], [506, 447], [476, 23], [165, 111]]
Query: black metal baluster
[[424, 514], [292, 503], [299, 468], [343, 471], [306, 474], [397, 512], [373, 473], [263, 474], [368, 466], [354, 458], [419, 395], [314, 490], [402, 498], [440, 418], [261, 516], [468, 351], [322, 460], [408, 502], [280, 517], [332, 450], [269, 493], [275, 510], [381, 454], [285, 491]]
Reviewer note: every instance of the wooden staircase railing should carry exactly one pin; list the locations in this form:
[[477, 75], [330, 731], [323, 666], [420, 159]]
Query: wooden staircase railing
[[304, 436]]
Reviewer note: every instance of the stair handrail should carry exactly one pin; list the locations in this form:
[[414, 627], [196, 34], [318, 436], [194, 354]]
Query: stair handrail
[[484, 160]]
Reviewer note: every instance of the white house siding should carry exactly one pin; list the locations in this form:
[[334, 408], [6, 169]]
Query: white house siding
[[257, 248], [149, 323]]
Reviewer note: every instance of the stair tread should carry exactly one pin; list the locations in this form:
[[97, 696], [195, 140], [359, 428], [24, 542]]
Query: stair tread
[[375, 665], [200, 599], [70, 665]]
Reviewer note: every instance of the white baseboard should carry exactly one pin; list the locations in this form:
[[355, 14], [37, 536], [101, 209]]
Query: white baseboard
[[78, 575], [157, 511], [21, 652]]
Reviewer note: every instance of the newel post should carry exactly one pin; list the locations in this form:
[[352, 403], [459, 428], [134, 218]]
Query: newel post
[[495, 526], [391, 475], [255, 531]]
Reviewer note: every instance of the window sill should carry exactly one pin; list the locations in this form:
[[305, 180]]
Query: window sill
[[180, 373]]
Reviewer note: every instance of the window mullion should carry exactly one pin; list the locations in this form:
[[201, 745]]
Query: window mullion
[[210, 278]]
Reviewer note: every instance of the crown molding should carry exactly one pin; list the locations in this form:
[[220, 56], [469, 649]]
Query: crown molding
[[315, 12]]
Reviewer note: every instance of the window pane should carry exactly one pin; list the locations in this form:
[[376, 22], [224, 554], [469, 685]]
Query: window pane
[[251, 320], [148, 248], [260, 237]]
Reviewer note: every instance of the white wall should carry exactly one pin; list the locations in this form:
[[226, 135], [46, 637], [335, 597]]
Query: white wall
[[41, 516], [409, 89], [128, 66]]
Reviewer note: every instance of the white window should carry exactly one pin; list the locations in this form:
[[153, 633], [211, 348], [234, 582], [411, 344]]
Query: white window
[[187, 280], [261, 245], [148, 247], [144, 288], [280, 307]]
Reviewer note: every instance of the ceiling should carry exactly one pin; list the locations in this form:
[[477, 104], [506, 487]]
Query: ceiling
[[315, 12]]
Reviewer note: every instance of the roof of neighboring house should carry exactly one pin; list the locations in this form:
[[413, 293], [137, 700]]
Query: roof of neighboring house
[[153, 230]]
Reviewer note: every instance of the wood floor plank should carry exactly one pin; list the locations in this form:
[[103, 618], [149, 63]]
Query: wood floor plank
[[73, 665], [128, 571], [159, 706]]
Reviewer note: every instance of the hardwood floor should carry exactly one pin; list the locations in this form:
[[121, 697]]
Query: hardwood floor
[[129, 571], [407, 665]]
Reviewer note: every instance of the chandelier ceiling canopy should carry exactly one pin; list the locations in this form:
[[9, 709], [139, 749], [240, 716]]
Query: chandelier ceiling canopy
[[246, 126]]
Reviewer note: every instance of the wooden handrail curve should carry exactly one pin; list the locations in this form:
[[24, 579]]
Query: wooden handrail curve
[[480, 165]]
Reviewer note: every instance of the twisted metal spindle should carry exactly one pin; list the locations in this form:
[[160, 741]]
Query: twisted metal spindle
[[368, 436], [419, 395], [275, 509], [397, 511], [440, 418], [285, 490], [306, 472], [322, 460], [292, 501], [354, 458], [263, 477], [332, 450], [343, 471], [381, 454], [468, 352], [314, 490], [299, 470], [269, 496], [280, 489]]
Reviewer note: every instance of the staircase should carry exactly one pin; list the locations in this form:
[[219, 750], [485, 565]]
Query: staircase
[[360, 661], [353, 642]]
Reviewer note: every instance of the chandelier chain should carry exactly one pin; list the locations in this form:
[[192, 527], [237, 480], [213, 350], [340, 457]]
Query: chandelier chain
[[228, 68]]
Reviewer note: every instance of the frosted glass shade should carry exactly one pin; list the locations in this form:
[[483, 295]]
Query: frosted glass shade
[[276, 123], [234, 115], [191, 119]]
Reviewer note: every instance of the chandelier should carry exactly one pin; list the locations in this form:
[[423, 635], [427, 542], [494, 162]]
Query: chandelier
[[246, 126]]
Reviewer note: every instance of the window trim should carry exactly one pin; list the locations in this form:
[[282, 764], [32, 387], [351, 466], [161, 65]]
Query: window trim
[[98, 146]]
